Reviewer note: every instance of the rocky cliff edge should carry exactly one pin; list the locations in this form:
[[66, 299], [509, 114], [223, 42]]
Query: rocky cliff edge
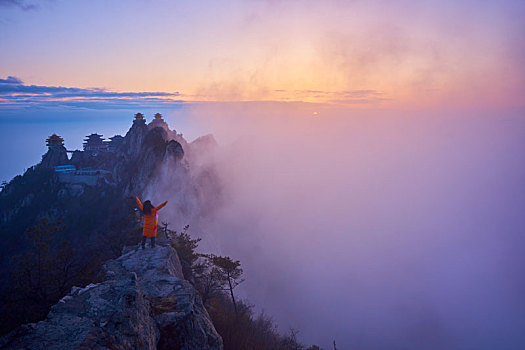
[[143, 303]]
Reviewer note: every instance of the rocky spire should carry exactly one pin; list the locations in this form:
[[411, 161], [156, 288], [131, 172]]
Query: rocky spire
[[56, 153], [132, 142]]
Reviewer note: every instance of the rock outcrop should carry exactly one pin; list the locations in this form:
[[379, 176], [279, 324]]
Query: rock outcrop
[[133, 140], [174, 149], [55, 155], [142, 303], [147, 161]]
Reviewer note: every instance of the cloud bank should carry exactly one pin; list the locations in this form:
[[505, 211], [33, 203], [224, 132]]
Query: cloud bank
[[14, 93], [21, 4], [380, 230]]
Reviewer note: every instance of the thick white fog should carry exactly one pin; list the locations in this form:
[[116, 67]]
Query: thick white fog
[[375, 229]]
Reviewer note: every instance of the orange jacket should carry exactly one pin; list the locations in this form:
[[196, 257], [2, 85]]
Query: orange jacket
[[150, 220]]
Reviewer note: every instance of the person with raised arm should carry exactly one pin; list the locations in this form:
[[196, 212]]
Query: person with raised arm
[[151, 219]]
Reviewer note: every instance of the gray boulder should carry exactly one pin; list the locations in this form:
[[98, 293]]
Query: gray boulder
[[142, 303]]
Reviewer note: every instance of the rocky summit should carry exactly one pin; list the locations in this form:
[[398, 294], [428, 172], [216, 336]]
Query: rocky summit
[[90, 198], [142, 302]]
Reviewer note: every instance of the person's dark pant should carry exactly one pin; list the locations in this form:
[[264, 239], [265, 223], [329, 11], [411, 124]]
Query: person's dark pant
[[144, 242]]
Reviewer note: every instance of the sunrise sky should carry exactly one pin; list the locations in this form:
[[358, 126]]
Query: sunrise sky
[[402, 54]]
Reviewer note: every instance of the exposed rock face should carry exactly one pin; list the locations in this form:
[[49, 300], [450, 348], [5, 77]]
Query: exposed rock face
[[158, 122], [148, 160], [143, 303], [133, 140], [174, 149], [55, 155]]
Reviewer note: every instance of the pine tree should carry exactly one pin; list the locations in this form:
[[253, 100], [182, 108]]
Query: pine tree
[[228, 273]]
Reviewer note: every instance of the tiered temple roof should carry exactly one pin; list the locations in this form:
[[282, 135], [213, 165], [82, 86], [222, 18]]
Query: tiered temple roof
[[95, 142], [139, 119], [54, 140]]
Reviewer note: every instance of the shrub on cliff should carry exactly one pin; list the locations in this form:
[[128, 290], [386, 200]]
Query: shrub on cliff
[[215, 278]]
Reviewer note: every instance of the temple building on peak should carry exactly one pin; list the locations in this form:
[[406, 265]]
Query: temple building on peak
[[95, 143], [158, 122], [139, 119], [56, 153], [54, 141]]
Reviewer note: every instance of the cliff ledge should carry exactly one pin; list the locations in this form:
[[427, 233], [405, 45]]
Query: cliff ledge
[[142, 303]]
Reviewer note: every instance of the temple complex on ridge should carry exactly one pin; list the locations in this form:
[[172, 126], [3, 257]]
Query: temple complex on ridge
[[94, 145]]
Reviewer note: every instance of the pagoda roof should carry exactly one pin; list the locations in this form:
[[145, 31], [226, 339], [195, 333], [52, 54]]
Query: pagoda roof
[[158, 116], [54, 140], [93, 139], [139, 116]]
